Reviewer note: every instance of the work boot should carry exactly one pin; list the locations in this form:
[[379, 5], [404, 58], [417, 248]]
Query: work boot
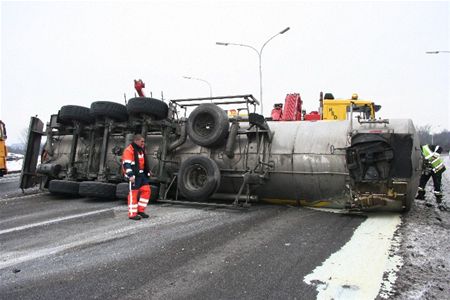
[[420, 195], [136, 218], [143, 215]]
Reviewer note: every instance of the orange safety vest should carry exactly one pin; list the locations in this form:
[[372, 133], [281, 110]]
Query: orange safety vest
[[133, 162]]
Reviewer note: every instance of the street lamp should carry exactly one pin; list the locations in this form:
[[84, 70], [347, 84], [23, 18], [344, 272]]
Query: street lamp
[[203, 80], [436, 52], [432, 134], [259, 56]]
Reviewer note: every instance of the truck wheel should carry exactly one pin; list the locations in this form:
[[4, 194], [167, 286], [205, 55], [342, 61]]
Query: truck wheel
[[97, 189], [122, 190], [154, 193], [113, 110], [198, 178], [149, 106], [208, 125], [64, 187], [70, 113]]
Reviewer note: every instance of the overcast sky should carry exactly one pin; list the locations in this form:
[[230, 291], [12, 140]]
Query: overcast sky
[[59, 53]]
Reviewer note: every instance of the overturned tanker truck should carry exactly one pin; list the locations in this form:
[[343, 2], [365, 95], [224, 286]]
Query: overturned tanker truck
[[210, 157]]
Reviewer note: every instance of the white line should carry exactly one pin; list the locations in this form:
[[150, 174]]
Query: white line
[[13, 258], [11, 261], [19, 228], [24, 196]]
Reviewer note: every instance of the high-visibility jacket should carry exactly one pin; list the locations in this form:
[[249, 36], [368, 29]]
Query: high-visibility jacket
[[433, 158], [133, 163]]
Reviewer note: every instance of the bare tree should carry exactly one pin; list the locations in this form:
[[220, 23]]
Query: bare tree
[[426, 137]]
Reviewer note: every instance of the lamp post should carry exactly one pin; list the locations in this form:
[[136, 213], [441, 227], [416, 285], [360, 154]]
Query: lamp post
[[259, 57], [432, 134], [203, 80]]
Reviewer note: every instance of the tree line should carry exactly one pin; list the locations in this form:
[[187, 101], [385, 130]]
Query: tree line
[[426, 137]]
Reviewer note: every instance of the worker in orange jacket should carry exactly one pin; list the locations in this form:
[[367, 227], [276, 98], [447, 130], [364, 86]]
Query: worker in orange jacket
[[136, 170]]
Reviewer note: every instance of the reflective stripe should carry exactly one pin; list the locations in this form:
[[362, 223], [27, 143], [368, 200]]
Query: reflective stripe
[[141, 171], [140, 155], [436, 162], [128, 170], [127, 161], [438, 167], [420, 188], [427, 152], [145, 201]]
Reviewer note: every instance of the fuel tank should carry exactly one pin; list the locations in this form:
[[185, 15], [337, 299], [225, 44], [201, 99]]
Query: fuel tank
[[372, 165]]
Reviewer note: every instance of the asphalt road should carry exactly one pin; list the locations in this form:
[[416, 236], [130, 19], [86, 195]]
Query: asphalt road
[[55, 248], [9, 184]]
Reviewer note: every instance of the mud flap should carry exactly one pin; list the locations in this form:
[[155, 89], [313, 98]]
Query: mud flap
[[35, 132]]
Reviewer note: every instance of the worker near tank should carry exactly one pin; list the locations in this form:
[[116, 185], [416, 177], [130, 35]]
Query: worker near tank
[[433, 166], [137, 172]]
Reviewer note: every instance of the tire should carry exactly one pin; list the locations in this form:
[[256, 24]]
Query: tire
[[208, 125], [113, 110], [97, 189], [198, 178], [154, 193], [148, 106], [64, 187], [123, 189], [70, 113]]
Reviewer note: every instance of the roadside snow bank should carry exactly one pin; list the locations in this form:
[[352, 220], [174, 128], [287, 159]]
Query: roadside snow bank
[[425, 248], [14, 165]]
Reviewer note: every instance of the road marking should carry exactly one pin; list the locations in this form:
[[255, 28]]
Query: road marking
[[123, 228], [24, 196], [356, 270], [106, 236], [24, 227]]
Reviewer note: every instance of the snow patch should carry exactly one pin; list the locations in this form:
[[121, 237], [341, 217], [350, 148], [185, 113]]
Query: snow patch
[[362, 266], [14, 165]]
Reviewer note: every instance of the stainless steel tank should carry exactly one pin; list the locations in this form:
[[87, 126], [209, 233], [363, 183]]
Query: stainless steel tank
[[308, 163]]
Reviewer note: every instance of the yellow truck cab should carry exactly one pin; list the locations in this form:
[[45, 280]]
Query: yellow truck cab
[[340, 109], [3, 151]]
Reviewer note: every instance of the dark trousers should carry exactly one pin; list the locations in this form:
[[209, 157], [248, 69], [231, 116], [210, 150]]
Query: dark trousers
[[437, 178]]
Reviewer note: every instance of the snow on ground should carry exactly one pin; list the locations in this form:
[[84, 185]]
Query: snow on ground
[[425, 248], [14, 165]]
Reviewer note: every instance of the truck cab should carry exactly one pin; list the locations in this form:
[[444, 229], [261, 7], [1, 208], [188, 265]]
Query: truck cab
[[341, 109]]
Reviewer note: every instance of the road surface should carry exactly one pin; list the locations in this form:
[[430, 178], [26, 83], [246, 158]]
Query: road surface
[[9, 185], [55, 248]]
